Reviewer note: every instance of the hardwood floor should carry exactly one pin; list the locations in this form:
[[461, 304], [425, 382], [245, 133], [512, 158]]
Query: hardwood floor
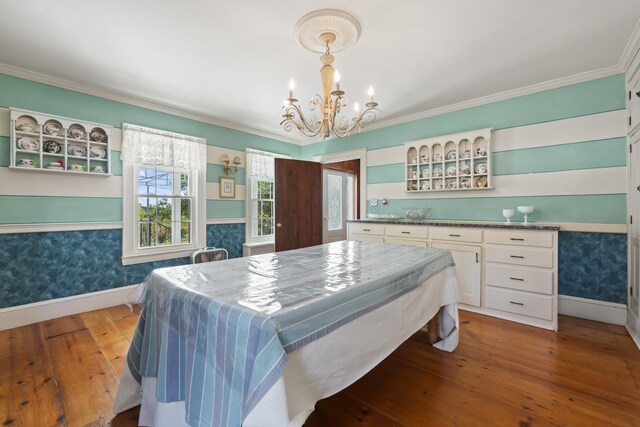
[[64, 372]]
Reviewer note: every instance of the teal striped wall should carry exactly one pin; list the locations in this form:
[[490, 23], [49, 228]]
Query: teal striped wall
[[20, 93], [572, 163]]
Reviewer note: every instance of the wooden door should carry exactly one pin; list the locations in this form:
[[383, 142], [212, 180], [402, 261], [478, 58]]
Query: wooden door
[[468, 270], [298, 204], [337, 204]]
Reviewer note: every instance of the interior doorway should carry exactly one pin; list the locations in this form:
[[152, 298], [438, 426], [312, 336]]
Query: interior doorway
[[634, 228]]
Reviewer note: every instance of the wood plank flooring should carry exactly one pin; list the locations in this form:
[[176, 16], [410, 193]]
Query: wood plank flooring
[[64, 372]]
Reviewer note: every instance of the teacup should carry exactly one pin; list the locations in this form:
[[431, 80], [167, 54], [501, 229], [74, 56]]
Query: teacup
[[57, 164], [98, 168], [26, 162], [75, 167]]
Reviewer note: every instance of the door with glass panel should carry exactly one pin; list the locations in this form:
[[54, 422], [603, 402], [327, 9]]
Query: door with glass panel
[[338, 204]]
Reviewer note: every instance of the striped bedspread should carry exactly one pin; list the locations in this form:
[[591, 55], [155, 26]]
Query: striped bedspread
[[216, 335]]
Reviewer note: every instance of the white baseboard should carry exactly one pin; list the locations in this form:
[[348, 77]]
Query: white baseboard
[[13, 317], [633, 327], [602, 311]]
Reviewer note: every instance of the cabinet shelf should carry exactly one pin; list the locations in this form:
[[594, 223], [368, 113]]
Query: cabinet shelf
[[41, 158], [471, 148]]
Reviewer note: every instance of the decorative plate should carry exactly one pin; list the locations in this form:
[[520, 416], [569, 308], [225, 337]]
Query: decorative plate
[[424, 158], [437, 172], [98, 135], [76, 150], [76, 132], [437, 157], [465, 183], [51, 147], [53, 128], [425, 185], [452, 184], [451, 171], [465, 169], [28, 144], [481, 182], [481, 168], [451, 155], [481, 151], [426, 173], [97, 153], [26, 124], [466, 154], [437, 184]]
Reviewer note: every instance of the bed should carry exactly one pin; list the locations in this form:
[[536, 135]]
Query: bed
[[258, 341]]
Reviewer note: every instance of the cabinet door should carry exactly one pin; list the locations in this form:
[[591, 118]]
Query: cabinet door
[[366, 238], [468, 270]]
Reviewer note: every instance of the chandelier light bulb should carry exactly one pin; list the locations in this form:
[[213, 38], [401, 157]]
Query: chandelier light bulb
[[292, 85], [356, 107], [370, 91], [336, 76]]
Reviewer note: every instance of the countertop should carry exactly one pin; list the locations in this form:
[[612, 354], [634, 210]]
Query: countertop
[[472, 224]]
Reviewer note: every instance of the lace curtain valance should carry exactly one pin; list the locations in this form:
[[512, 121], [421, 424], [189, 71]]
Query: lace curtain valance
[[260, 165], [157, 147]]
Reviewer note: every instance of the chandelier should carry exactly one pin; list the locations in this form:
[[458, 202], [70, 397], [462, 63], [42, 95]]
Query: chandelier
[[320, 31]]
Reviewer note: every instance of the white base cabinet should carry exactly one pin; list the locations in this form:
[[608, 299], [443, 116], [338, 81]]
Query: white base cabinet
[[468, 270], [506, 273]]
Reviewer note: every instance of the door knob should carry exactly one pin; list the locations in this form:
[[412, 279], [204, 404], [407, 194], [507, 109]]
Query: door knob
[[278, 225], [638, 188], [638, 94]]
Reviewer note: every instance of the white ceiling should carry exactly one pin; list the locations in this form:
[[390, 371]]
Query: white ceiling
[[232, 61]]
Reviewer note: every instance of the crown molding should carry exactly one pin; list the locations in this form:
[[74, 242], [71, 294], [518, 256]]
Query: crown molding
[[630, 50], [501, 96], [138, 102]]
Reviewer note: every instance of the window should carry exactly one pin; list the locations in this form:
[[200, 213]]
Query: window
[[164, 203], [164, 198], [262, 208], [260, 198]]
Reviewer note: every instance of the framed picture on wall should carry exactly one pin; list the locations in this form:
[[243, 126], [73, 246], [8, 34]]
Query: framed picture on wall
[[227, 187]]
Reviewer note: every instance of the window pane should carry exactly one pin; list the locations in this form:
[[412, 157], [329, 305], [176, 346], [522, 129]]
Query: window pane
[[164, 183], [334, 194], [147, 208], [164, 233], [164, 210], [184, 184], [147, 234], [185, 210], [146, 180], [185, 232]]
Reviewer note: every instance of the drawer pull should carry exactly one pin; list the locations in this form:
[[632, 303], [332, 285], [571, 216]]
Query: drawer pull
[[366, 229], [454, 235], [517, 256], [517, 239], [405, 232], [517, 278], [516, 303]]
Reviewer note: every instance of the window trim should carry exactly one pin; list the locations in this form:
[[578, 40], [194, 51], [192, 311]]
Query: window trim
[[249, 239], [250, 200], [131, 252]]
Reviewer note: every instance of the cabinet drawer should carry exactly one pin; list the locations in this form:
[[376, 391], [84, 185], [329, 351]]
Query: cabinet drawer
[[532, 257], [456, 234], [522, 238], [524, 303], [363, 228], [409, 231], [366, 238], [406, 242], [520, 278]]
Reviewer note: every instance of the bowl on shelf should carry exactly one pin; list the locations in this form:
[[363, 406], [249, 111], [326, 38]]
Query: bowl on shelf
[[417, 213], [526, 210]]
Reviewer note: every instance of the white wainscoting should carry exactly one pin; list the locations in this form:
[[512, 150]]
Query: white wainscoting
[[601, 311], [13, 317]]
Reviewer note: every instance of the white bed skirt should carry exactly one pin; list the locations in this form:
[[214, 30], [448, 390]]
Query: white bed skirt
[[325, 366]]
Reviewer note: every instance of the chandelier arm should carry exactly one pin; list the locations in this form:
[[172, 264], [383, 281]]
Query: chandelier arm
[[365, 116], [305, 127]]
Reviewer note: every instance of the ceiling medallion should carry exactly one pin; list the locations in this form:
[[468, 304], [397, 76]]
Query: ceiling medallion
[[324, 31]]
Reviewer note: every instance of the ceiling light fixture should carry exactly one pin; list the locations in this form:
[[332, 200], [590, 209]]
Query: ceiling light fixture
[[325, 31]]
